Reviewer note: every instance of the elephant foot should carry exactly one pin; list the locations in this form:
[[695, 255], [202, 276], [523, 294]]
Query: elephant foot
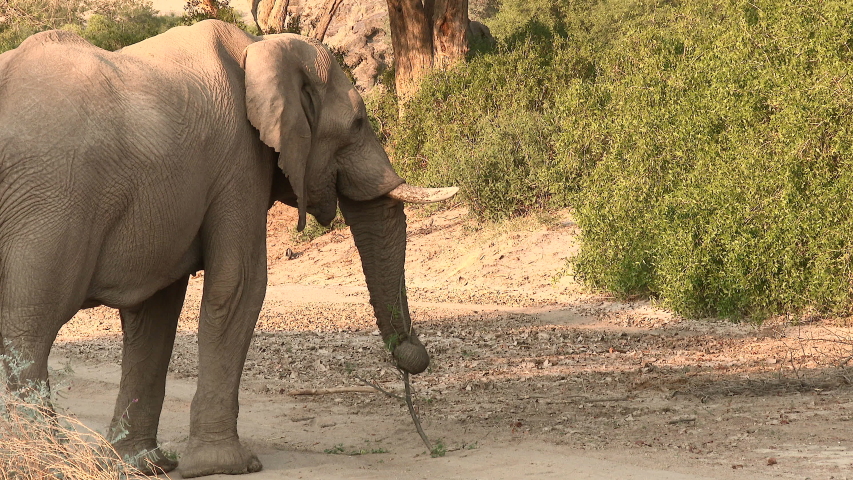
[[146, 456], [227, 457]]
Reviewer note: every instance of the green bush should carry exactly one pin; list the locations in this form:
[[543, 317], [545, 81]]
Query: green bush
[[109, 24], [705, 146], [132, 26], [313, 230], [499, 126], [482, 129], [23, 18], [725, 185], [194, 12]]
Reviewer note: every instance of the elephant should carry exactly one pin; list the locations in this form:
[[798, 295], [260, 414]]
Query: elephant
[[123, 173]]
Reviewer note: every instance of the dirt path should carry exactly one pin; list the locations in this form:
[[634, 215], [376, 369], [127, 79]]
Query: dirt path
[[531, 376]]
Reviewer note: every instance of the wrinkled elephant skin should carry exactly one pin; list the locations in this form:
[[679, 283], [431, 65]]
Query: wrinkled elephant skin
[[122, 173]]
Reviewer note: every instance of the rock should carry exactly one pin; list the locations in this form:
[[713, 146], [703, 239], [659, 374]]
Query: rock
[[360, 32], [479, 34]]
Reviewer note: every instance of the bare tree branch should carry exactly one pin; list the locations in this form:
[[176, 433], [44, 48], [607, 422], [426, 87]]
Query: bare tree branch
[[330, 9]]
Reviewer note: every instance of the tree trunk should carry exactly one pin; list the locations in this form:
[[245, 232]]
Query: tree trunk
[[426, 34], [270, 15], [211, 7], [411, 38], [329, 13], [277, 19], [450, 32]]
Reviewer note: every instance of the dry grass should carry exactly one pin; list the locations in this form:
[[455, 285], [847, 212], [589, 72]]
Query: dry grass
[[38, 444]]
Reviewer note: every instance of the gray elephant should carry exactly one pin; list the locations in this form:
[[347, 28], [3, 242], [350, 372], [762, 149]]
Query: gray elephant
[[122, 173]]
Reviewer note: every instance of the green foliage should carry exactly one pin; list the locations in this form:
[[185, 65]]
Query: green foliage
[[706, 146], [23, 18], [109, 24], [113, 33], [170, 454], [481, 127], [340, 450], [314, 230], [724, 186], [195, 11], [394, 339], [439, 449], [336, 450]]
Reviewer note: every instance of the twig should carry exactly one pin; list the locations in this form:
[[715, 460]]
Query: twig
[[329, 391], [412, 410], [622, 398], [377, 387], [682, 420], [578, 398]]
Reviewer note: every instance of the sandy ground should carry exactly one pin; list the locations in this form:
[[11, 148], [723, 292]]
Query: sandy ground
[[532, 376]]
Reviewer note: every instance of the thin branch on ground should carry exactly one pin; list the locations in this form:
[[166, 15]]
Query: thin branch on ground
[[331, 391], [844, 361], [377, 387]]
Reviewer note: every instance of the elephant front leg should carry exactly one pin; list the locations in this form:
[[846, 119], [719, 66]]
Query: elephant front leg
[[149, 334], [233, 295]]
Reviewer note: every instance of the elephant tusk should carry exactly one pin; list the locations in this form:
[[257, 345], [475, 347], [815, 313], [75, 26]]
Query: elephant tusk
[[408, 193]]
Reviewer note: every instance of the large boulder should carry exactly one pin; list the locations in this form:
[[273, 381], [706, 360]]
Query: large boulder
[[359, 30]]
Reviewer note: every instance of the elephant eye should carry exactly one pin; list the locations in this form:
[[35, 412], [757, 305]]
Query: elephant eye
[[357, 124]]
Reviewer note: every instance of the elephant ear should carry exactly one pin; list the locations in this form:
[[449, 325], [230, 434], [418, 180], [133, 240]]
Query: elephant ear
[[281, 102]]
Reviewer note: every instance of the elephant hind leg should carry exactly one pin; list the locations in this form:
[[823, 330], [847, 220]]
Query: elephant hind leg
[[149, 335]]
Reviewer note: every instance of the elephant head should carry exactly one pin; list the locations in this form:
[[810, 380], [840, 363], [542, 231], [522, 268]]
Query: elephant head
[[306, 108]]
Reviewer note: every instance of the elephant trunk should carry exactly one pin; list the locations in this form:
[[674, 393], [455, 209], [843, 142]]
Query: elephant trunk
[[379, 230]]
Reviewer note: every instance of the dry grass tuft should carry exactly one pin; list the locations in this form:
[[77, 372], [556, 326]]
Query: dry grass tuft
[[38, 444]]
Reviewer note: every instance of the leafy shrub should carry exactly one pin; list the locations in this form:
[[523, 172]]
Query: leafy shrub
[[131, 26], [482, 129], [109, 24], [195, 11], [23, 18], [706, 146], [724, 187], [313, 230]]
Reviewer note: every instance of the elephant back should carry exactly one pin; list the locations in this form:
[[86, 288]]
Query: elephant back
[[35, 44], [50, 37], [36, 80], [203, 47]]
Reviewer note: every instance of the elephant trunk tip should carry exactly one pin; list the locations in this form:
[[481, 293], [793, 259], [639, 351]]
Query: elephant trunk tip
[[411, 356]]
